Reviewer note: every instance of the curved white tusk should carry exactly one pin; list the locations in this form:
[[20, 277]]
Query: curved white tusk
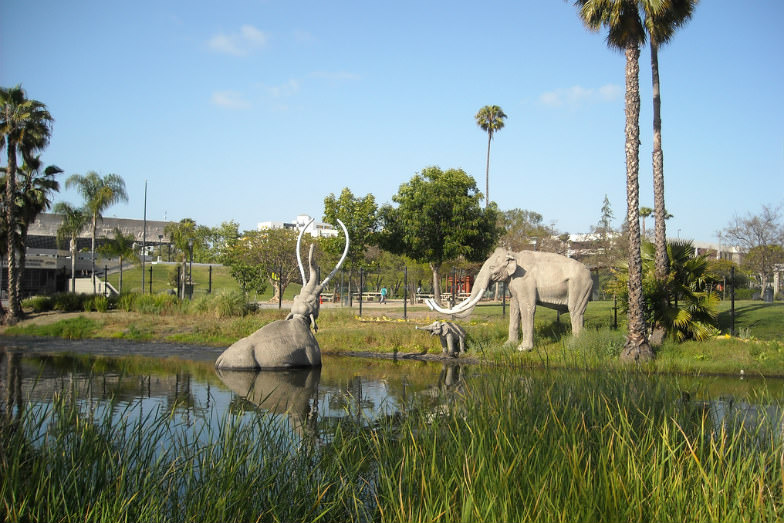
[[461, 307], [342, 258], [299, 258]]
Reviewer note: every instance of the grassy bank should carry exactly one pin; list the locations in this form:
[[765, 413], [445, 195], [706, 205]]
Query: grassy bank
[[759, 348], [597, 447]]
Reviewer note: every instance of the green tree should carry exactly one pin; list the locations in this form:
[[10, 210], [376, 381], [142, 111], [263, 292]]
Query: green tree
[[360, 216], [761, 237], [99, 194], [662, 20], [268, 255], [626, 32], [439, 218], [491, 119], [75, 220], [220, 239], [25, 126], [607, 241], [35, 185], [118, 246], [681, 303], [522, 229], [182, 235], [645, 212]]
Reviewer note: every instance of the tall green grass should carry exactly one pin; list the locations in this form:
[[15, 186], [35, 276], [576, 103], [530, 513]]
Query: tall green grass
[[595, 447], [64, 464], [598, 448]]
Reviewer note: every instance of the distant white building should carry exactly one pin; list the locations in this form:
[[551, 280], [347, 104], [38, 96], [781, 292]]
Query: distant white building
[[318, 229]]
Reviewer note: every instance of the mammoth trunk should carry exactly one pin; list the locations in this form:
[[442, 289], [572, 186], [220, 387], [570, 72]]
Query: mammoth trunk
[[481, 284]]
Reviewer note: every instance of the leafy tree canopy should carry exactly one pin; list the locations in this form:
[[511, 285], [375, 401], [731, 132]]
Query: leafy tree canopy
[[269, 254], [439, 218], [761, 236], [360, 216]]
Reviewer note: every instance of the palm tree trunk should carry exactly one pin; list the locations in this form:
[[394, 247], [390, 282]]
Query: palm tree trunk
[[14, 307], [22, 262], [661, 261], [637, 347], [487, 170]]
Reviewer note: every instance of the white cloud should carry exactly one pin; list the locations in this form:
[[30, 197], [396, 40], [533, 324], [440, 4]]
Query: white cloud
[[242, 43], [578, 96], [611, 92], [287, 89], [230, 100]]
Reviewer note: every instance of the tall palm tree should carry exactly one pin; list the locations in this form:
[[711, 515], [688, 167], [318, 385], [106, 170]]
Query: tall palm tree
[[626, 32], [35, 187], [74, 222], [662, 19], [99, 193], [25, 126], [644, 213], [120, 246], [181, 235], [491, 119]]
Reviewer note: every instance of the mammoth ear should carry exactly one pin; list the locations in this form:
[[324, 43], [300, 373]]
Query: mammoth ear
[[511, 265]]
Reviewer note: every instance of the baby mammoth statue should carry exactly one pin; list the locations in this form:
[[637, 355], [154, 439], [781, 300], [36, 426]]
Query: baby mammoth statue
[[452, 336]]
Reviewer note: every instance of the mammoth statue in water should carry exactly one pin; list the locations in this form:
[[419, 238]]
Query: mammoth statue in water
[[286, 343], [534, 278]]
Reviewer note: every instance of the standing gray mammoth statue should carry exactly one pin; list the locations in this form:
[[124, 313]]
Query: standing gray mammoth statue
[[534, 278], [452, 336], [286, 343]]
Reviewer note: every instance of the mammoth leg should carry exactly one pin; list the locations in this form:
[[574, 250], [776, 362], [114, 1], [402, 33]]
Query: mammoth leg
[[444, 344], [578, 301], [514, 321], [527, 311]]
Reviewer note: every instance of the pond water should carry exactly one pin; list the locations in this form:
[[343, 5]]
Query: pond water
[[311, 401]]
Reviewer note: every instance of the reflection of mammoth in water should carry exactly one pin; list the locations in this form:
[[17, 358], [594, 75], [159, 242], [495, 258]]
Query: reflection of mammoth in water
[[286, 392], [451, 377]]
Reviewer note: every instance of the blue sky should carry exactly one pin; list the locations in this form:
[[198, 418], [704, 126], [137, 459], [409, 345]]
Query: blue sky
[[256, 110]]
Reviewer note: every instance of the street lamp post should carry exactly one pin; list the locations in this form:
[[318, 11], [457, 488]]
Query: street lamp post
[[190, 268]]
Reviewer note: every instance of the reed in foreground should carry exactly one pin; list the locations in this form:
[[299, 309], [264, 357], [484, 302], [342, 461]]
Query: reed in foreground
[[602, 447], [611, 446], [65, 463]]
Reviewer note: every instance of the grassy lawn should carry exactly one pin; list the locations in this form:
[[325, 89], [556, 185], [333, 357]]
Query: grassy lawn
[[757, 348], [214, 278]]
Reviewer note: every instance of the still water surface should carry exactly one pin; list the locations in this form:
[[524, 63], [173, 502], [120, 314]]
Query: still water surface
[[313, 401]]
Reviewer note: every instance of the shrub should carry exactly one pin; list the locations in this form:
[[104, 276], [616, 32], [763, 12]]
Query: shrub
[[156, 304], [39, 303], [127, 301], [230, 304], [744, 294], [100, 303], [69, 302]]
